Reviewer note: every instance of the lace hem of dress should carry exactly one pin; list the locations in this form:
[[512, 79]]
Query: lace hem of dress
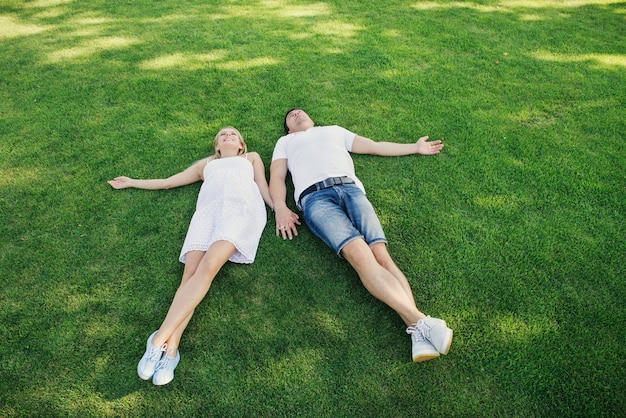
[[239, 256]]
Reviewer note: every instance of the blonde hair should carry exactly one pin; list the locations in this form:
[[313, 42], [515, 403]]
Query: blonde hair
[[242, 151]]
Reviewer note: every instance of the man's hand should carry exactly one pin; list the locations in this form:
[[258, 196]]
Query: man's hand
[[286, 222], [428, 148]]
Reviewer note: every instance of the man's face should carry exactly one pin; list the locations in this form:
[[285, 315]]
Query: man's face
[[297, 120]]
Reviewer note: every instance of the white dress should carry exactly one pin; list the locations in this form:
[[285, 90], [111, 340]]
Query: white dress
[[229, 208]]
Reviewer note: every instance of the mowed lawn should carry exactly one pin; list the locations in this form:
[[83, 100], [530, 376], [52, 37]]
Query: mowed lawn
[[515, 233]]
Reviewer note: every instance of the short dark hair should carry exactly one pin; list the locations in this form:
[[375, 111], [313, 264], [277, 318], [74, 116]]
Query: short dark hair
[[285, 119]]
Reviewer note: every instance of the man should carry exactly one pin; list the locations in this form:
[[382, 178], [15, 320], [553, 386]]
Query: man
[[335, 209]]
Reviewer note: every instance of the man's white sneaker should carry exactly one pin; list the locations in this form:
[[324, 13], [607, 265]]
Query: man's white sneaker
[[147, 364], [164, 372], [437, 332], [421, 348]]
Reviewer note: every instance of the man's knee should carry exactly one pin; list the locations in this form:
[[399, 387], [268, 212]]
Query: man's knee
[[358, 253], [381, 254]]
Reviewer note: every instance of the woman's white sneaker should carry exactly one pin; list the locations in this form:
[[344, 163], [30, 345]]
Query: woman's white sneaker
[[164, 372], [147, 364]]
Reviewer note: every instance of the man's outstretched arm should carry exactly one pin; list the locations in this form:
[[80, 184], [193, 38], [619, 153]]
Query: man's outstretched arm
[[363, 145]]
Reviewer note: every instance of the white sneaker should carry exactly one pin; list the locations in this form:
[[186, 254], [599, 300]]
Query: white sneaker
[[437, 332], [421, 348], [147, 364], [164, 372]]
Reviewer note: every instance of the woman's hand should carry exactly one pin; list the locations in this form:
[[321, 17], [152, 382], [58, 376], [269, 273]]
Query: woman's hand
[[121, 182]]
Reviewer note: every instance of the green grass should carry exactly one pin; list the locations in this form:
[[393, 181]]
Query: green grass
[[515, 234]]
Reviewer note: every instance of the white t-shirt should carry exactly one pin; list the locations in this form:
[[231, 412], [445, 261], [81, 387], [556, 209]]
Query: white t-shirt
[[317, 154]]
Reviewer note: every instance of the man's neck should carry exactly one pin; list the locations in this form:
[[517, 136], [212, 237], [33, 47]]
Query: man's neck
[[302, 129]]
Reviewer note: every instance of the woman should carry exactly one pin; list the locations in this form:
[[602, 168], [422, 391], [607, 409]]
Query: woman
[[227, 225]]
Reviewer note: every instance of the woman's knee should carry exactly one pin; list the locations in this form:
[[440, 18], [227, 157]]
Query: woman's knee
[[192, 260], [216, 256]]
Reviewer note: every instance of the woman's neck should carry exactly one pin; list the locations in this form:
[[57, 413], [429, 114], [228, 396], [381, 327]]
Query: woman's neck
[[226, 153]]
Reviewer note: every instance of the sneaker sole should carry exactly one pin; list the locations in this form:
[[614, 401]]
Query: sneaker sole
[[162, 382], [425, 357]]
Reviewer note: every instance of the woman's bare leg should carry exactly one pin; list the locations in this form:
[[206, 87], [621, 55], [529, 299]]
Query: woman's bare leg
[[192, 261], [191, 291]]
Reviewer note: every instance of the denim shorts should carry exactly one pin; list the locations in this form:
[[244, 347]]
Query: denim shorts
[[340, 214]]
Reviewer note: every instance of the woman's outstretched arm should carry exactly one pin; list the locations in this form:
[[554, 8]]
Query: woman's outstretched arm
[[188, 176]]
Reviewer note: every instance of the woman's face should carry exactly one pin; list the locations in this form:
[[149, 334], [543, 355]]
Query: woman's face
[[228, 136]]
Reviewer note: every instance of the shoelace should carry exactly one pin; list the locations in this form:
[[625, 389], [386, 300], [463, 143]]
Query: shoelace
[[415, 332], [156, 353], [163, 363], [424, 328]]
